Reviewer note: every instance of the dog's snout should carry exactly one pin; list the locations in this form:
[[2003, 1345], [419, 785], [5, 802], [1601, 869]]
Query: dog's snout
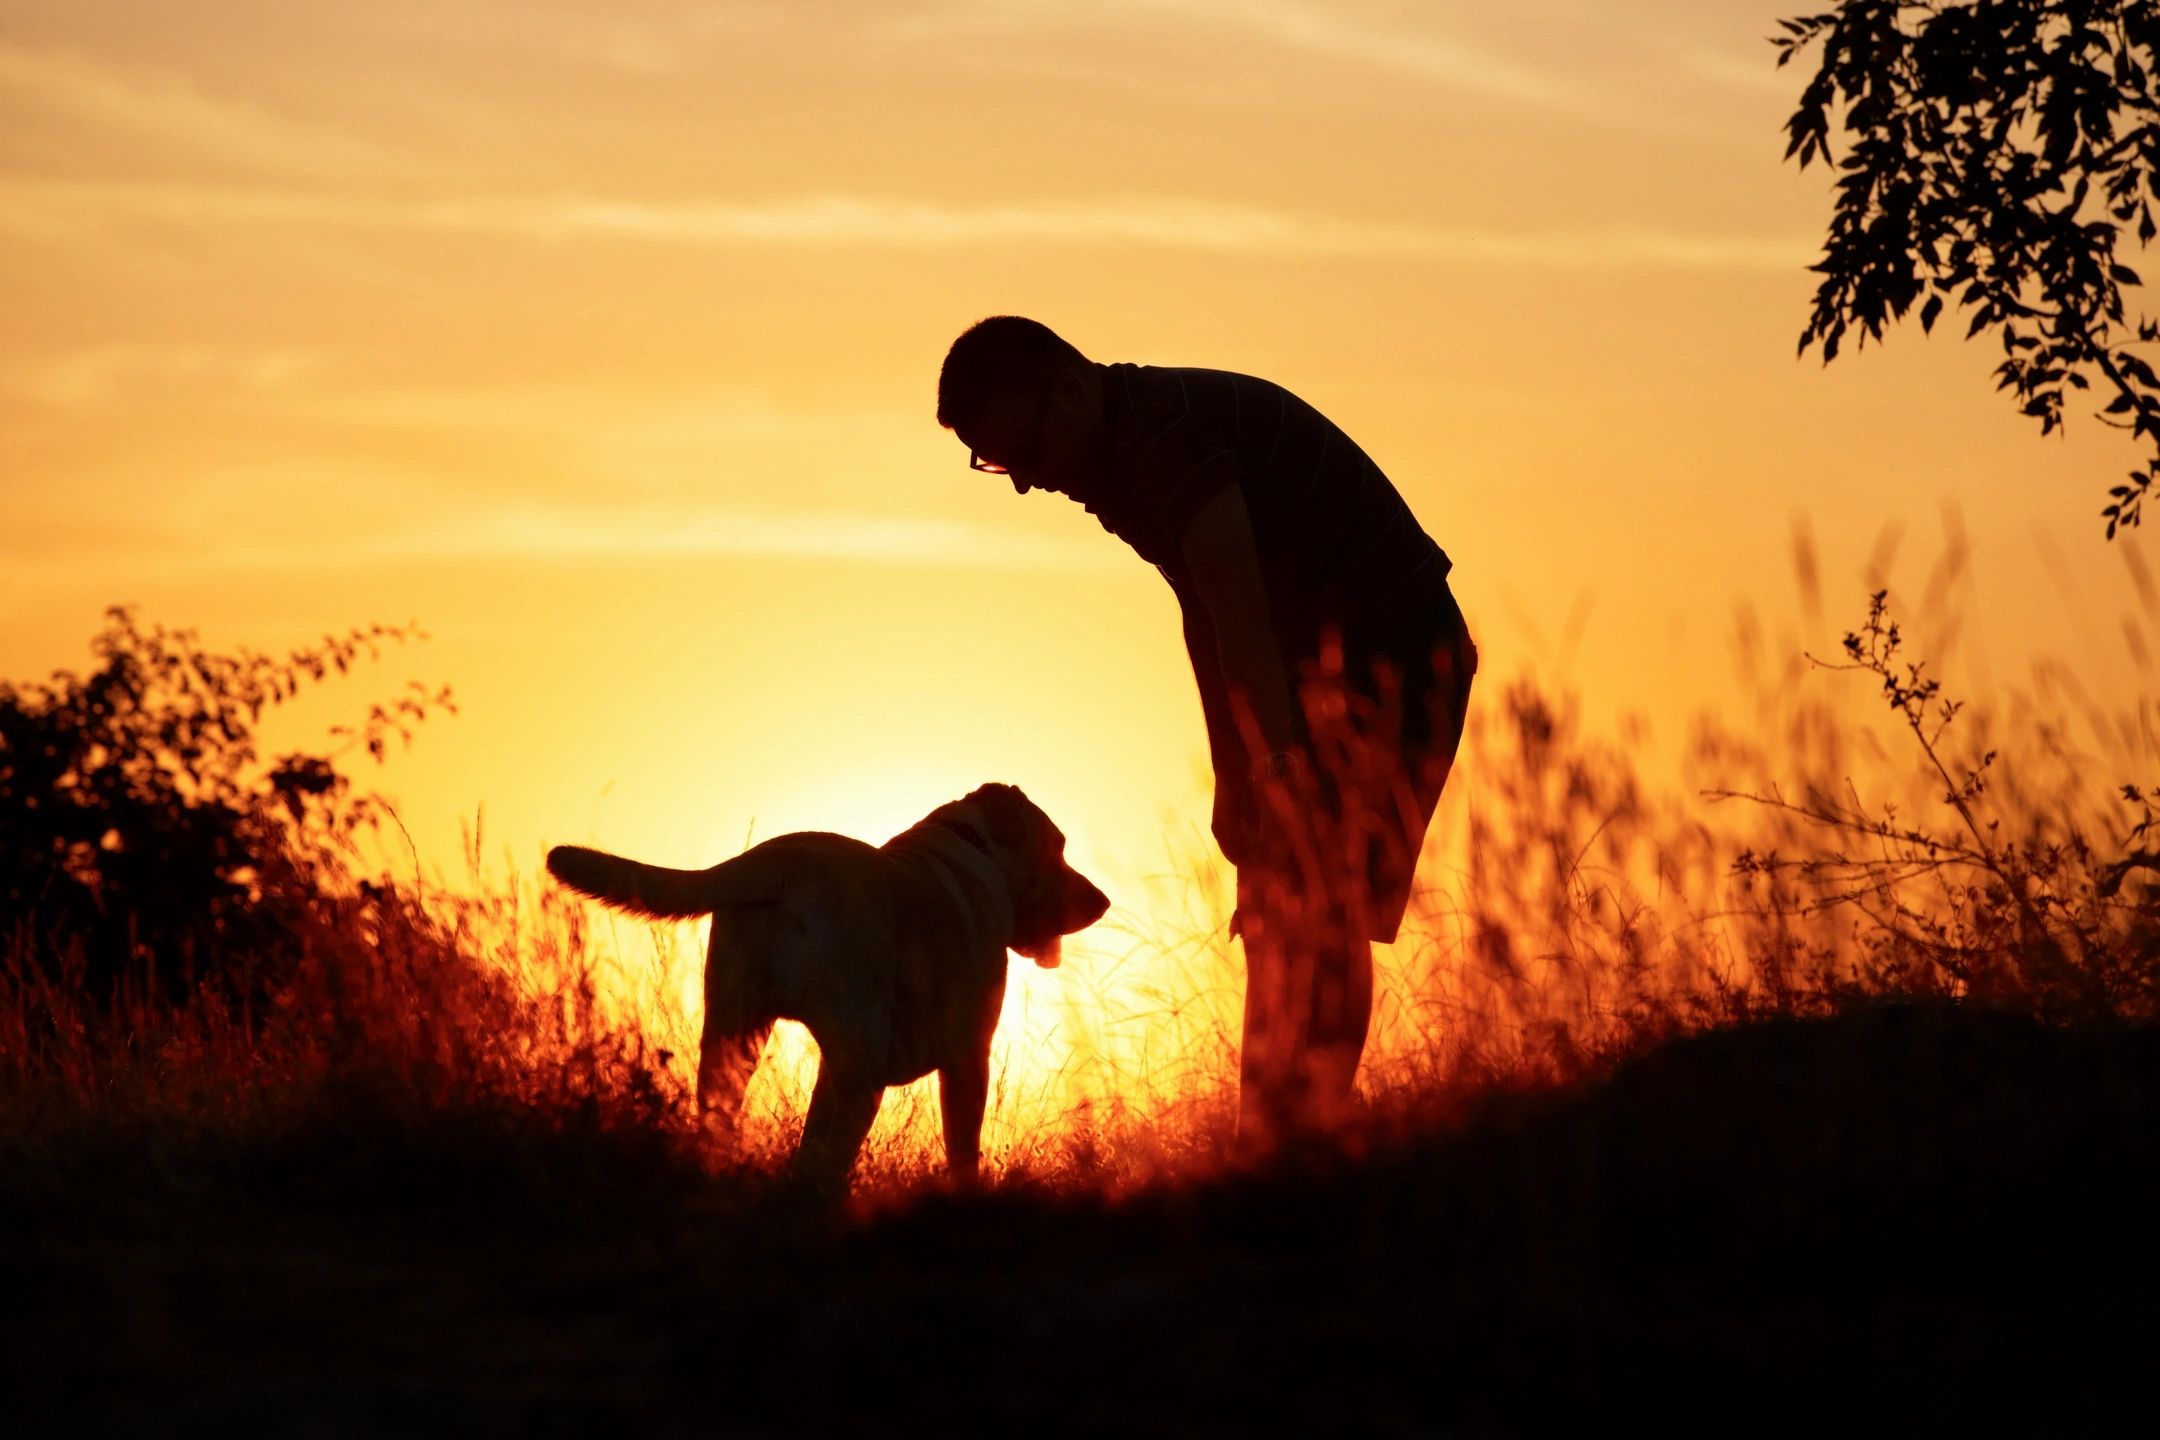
[[1083, 901]]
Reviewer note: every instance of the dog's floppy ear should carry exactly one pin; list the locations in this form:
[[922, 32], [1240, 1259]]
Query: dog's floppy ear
[[1005, 810], [1048, 953]]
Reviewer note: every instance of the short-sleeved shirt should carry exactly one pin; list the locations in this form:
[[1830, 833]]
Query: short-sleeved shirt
[[1337, 546], [1339, 553]]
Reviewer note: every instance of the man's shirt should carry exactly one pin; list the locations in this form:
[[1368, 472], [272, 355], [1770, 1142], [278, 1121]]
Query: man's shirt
[[1335, 542]]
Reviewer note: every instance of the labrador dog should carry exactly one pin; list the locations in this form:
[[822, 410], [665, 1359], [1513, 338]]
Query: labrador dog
[[892, 955]]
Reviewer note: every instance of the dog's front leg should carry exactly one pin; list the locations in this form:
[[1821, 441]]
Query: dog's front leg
[[963, 1092]]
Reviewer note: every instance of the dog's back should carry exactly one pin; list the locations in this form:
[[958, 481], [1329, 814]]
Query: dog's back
[[803, 926]]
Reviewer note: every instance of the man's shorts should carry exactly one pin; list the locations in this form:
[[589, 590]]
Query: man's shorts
[[1384, 716]]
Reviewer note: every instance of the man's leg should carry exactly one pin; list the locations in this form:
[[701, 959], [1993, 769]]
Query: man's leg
[[1308, 1005], [1307, 1009], [1380, 794], [1278, 996], [1341, 1014]]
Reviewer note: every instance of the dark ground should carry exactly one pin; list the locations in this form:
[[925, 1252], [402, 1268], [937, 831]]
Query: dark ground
[[1894, 1217]]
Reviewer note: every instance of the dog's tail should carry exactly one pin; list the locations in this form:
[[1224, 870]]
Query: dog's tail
[[655, 890]]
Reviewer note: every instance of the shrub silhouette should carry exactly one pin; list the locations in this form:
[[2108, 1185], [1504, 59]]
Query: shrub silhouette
[[2010, 899], [145, 846]]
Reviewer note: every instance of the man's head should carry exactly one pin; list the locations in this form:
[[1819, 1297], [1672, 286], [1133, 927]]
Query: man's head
[[1024, 402]]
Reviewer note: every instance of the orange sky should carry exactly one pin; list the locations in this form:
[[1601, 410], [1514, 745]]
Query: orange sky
[[601, 338]]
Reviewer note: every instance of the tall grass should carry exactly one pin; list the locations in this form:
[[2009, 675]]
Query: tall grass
[[1571, 913]]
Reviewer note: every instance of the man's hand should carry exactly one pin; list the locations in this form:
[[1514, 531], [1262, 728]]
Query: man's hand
[[1225, 568], [1259, 814]]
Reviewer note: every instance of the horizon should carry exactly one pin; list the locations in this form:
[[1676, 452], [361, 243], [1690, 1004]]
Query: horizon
[[311, 334]]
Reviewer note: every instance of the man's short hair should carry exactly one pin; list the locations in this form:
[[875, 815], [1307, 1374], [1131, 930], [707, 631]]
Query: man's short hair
[[1005, 354]]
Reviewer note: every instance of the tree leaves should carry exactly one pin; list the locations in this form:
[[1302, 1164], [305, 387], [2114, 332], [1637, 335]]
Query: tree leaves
[[2000, 154]]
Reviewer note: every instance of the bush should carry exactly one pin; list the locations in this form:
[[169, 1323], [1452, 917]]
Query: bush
[[144, 846], [2004, 892]]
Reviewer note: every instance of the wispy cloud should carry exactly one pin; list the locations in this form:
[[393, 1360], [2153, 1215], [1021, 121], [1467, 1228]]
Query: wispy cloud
[[1419, 53], [60, 540], [104, 376], [635, 37], [676, 412], [167, 108], [37, 208], [680, 436], [1357, 35], [299, 384], [803, 535], [1756, 72]]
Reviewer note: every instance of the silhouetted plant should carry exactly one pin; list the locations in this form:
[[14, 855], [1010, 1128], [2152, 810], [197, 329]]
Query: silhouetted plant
[[2000, 153], [144, 842], [1971, 907]]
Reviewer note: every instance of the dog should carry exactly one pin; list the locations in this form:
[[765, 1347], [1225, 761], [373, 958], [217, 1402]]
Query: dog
[[893, 956]]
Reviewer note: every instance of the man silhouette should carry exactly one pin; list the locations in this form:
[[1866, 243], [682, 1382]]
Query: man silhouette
[[1333, 664]]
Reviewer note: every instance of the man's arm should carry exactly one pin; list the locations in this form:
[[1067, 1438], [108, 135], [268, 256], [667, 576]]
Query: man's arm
[[1225, 568]]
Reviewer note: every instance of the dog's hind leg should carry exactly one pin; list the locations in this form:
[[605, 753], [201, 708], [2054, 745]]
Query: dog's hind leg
[[738, 1014], [843, 1106], [727, 1058]]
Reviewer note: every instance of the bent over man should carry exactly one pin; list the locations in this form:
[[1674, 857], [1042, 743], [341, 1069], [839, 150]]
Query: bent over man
[[1333, 664]]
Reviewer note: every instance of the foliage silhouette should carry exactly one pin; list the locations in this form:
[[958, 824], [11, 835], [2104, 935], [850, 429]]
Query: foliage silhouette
[[143, 843], [2018, 916], [1999, 155]]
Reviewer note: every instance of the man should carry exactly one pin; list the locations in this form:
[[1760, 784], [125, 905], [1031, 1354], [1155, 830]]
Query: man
[[1333, 663]]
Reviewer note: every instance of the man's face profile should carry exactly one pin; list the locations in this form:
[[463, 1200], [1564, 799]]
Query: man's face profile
[[1036, 439]]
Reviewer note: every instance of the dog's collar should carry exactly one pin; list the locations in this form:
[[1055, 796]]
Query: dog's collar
[[963, 829], [953, 847]]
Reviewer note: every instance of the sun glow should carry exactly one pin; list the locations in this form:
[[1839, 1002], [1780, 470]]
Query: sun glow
[[1140, 1018], [1135, 1034]]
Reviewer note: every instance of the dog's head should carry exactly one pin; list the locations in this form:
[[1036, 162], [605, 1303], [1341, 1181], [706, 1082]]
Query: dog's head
[[1050, 899]]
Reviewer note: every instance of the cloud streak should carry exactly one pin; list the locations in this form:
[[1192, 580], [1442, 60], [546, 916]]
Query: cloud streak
[[1757, 73], [571, 533], [1329, 32], [105, 376], [1417, 54], [46, 208], [166, 108], [802, 535]]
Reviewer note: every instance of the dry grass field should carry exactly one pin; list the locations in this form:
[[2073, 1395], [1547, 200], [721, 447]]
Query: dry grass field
[[1833, 1100]]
